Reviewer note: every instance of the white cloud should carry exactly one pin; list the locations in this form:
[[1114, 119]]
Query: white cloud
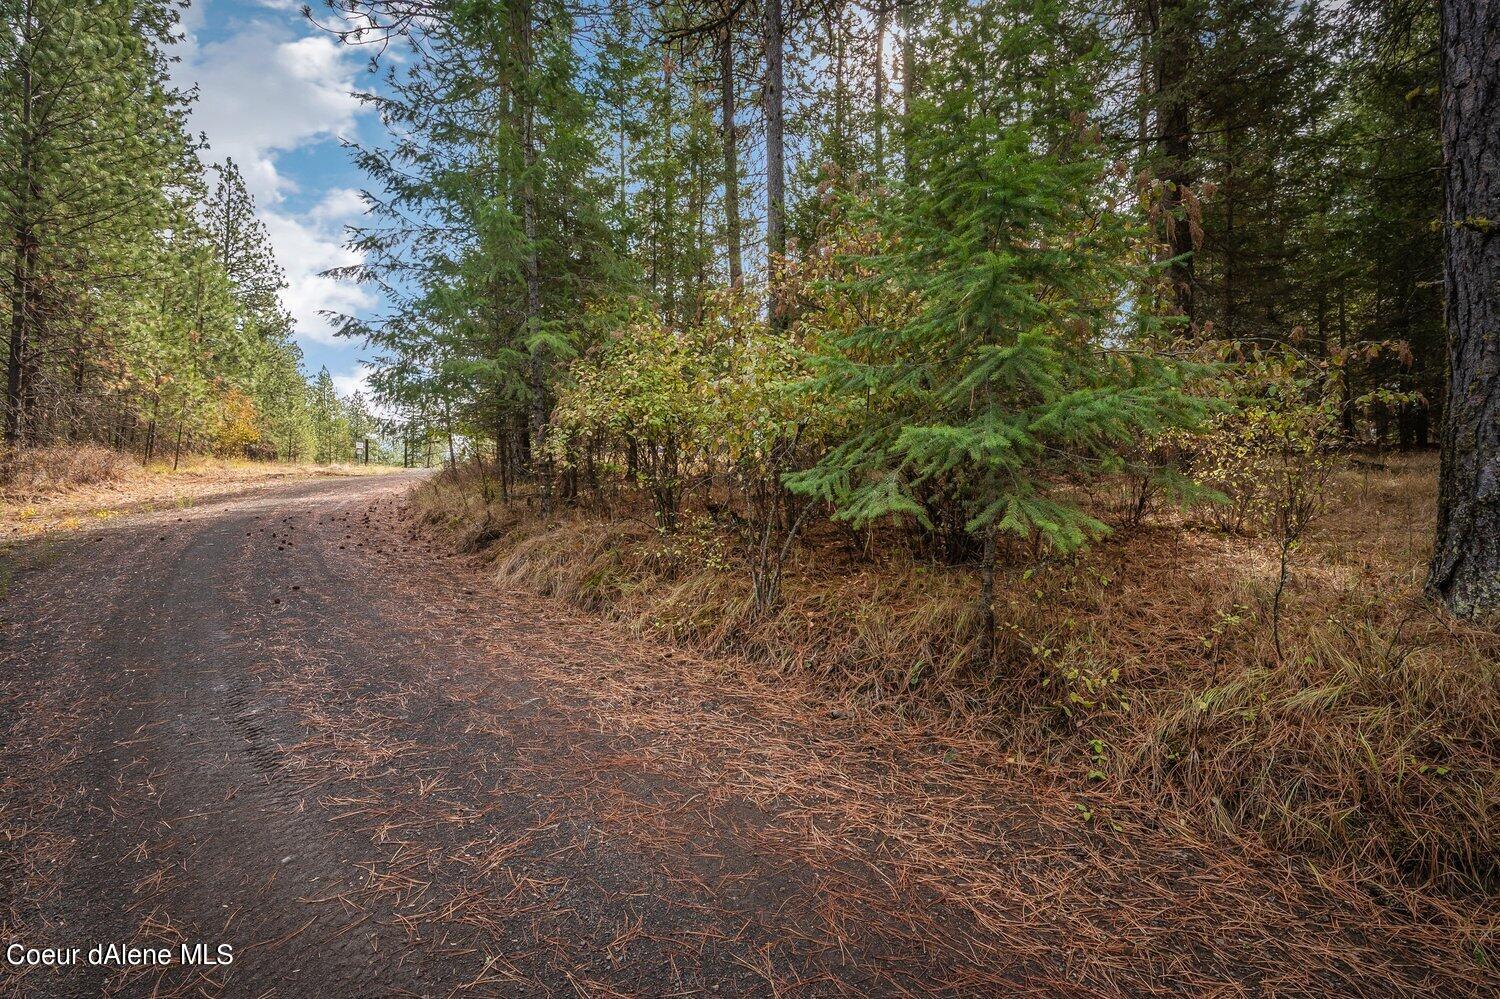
[[356, 380], [262, 92], [306, 249], [339, 205], [273, 86]]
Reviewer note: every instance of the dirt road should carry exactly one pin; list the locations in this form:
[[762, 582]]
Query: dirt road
[[287, 724]]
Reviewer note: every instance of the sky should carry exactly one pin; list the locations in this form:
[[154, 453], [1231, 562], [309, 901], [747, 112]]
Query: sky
[[275, 93]]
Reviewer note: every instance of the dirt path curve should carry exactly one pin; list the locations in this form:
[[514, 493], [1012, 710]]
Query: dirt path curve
[[286, 723]]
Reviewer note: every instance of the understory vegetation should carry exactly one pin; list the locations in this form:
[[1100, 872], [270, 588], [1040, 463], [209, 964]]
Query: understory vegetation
[[1065, 369], [1145, 667], [49, 475], [44, 471]]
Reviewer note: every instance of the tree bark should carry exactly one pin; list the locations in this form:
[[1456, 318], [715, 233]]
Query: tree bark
[[835, 26], [879, 125], [1465, 571], [538, 373], [20, 308], [1174, 36], [731, 158], [775, 156], [23, 262], [908, 87]]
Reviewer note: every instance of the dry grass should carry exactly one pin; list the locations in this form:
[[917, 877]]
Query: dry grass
[[29, 473], [60, 488], [1144, 668], [529, 747]]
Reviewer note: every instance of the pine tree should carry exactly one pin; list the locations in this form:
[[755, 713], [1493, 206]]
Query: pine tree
[[90, 139], [330, 425], [1381, 279], [491, 237], [242, 246], [1012, 364], [1465, 569], [141, 309]]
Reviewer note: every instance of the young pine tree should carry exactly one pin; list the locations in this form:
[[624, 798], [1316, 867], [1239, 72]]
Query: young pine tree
[[330, 423], [1019, 357]]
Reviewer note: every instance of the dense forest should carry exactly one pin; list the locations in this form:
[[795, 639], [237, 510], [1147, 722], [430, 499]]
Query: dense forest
[[141, 301], [934, 263]]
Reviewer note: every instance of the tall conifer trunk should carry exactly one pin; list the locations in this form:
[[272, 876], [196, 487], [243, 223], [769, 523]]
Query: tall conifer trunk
[[538, 372], [24, 259], [908, 81], [731, 156], [1174, 38], [879, 98], [775, 154], [1465, 570]]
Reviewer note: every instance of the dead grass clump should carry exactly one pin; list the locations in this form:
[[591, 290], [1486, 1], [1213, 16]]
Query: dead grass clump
[[860, 631], [38, 472], [1145, 668], [1355, 748]]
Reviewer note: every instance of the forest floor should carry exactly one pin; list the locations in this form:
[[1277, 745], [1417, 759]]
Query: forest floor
[[291, 722], [1357, 730]]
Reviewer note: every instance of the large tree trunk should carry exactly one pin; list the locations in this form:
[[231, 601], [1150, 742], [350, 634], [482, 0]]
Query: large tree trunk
[[908, 87], [1465, 571], [731, 157], [835, 25], [1174, 34], [20, 309], [775, 155], [879, 99], [538, 373], [23, 263]]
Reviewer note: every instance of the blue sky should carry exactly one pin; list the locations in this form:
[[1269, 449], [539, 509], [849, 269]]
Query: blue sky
[[274, 93]]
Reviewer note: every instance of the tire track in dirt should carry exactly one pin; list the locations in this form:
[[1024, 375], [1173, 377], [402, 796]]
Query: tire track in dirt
[[183, 828]]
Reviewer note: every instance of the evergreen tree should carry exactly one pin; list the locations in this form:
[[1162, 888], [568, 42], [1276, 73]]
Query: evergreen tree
[[90, 142], [330, 425], [1465, 570], [491, 238], [1010, 367], [141, 309], [242, 247]]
